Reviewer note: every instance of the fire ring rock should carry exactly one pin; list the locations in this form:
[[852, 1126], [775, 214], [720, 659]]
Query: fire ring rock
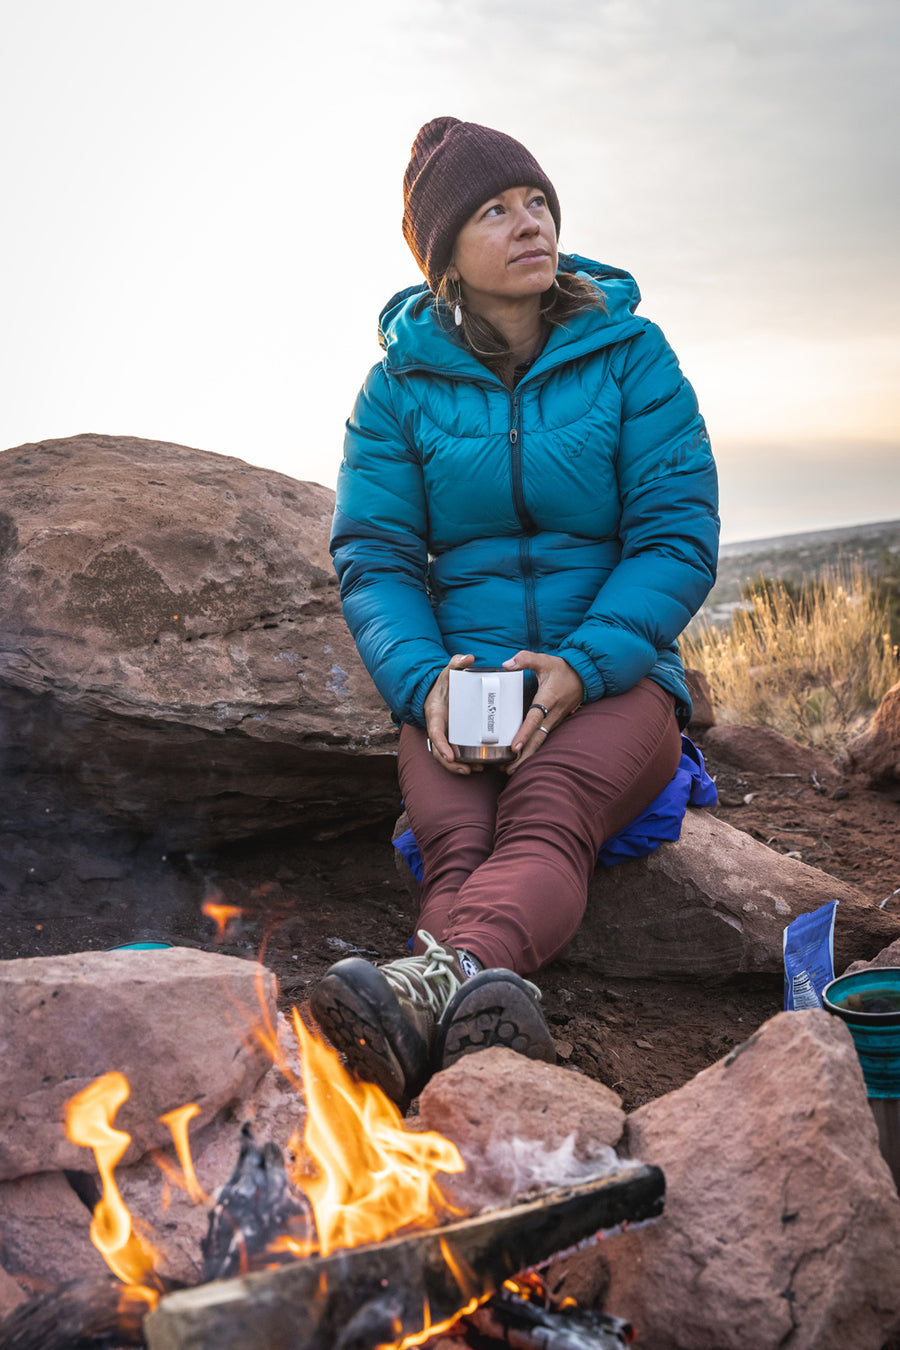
[[172, 651], [782, 1222], [177, 1024]]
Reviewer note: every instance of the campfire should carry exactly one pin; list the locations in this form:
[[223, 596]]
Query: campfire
[[352, 1238]]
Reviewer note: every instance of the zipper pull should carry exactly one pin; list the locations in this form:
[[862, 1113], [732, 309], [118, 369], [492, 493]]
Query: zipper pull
[[513, 435], [514, 429]]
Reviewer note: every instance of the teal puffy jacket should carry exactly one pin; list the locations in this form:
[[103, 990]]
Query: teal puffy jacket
[[574, 514]]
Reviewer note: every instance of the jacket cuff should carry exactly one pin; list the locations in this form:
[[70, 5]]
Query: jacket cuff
[[591, 679], [419, 695]]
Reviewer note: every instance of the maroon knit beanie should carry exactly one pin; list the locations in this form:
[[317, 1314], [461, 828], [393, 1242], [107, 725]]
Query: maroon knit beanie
[[454, 167]]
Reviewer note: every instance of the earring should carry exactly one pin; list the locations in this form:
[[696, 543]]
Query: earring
[[456, 306]]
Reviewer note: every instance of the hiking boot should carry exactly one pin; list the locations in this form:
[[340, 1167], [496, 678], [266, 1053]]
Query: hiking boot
[[495, 1007], [383, 1017]]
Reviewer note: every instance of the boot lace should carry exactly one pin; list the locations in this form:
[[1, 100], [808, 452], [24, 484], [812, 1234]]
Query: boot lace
[[430, 978]]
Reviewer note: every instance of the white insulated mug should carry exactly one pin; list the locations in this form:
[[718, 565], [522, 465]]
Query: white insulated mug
[[486, 711]]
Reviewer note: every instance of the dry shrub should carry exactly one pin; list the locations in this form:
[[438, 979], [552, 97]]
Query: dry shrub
[[810, 662]]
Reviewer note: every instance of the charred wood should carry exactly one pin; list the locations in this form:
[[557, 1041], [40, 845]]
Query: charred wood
[[82, 1315], [255, 1206], [524, 1325], [336, 1301]]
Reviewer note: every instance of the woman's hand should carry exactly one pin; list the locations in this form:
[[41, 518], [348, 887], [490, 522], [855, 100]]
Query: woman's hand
[[559, 691], [437, 715]]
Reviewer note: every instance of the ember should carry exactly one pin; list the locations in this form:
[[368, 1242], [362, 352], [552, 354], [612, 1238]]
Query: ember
[[524, 1314], [222, 915]]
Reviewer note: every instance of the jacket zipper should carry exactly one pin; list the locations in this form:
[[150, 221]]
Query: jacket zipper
[[515, 465], [531, 616], [518, 490]]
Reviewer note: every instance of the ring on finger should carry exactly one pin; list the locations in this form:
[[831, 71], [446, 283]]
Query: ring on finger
[[429, 747], [545, 730], [545, 712]]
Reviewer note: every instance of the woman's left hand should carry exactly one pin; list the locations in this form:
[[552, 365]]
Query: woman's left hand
[[559, 692]]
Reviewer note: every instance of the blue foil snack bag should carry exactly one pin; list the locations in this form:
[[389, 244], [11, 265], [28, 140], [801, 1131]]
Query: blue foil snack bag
[[809, 957]]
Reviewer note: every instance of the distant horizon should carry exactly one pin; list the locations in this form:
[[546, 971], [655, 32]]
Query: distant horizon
[[735, 544], [802, 490]]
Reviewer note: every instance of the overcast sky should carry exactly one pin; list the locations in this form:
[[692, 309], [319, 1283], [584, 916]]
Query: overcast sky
[[202, 206]]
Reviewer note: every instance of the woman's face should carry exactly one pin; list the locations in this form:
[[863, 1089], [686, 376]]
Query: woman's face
[[507, 249]]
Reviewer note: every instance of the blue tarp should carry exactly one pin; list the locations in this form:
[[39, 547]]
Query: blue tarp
[[690, 786]]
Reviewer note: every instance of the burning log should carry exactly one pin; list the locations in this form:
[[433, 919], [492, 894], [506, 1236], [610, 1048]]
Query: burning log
[[378, 1294]]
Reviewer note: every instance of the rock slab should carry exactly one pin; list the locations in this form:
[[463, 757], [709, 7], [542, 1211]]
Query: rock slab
[[765, 751], [45, 1225], [177, 1023], [782, 1223], [714, 903], [703, 715], [44, 1235], [888, 956]]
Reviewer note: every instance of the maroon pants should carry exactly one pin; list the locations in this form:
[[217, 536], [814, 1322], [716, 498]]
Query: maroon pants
[[507, 861]]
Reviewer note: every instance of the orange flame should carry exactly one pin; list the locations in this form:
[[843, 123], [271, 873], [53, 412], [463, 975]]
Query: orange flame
[[221, 914], [135, 1301], [461, 1271], [467, 1281], [372, 1178], [528, 1284], [431, 1329], [89, 1117], [177, 1123]]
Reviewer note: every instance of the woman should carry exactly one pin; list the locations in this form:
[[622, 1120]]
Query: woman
[[526, 481]]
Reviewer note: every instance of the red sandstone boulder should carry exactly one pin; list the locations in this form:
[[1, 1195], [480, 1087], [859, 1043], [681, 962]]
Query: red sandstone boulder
[[714, 903], [876, 753], [45, 1231], [764, 751], [888, 956], [782, 1222], [11, 1293], [204, 1003], [172, 649]]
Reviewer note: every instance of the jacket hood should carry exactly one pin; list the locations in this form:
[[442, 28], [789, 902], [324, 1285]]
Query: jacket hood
[[412, 337]]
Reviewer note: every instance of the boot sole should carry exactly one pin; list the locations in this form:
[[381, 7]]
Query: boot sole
[[494, 1008], [356, 1008]]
